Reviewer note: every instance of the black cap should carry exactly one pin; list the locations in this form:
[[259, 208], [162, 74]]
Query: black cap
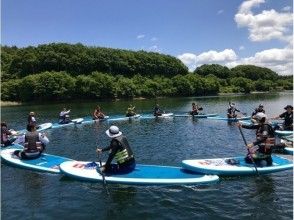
[[288, 106]]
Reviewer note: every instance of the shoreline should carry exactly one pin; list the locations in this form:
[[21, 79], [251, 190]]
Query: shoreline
[[10, 103]]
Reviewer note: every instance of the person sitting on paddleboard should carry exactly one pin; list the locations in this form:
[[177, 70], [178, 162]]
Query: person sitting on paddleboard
[[130, 111], [98, 114], [157, 111], [64, 116], [257, 110], [195, 109], [288, 118], [232, 111], [120, 150], [32, 119], [34, 145], [265, 140], [5, 135]]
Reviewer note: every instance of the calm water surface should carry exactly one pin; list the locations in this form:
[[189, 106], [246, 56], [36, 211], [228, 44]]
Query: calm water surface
[[31, 195]]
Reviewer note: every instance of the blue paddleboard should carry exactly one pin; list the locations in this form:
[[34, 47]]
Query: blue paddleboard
[[45, 163], [90, 120], [283, 133], [74, 121], [142, 175], [220, 166]]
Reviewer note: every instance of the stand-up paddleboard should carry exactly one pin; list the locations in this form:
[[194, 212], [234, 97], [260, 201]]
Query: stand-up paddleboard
[[90, 120], [142, 175], [283, 133], [14, 146], [196, 116], [46, 162], [288, 150], [44, 126], [73, 122], [229, 119], [137, 116], [164, 115], [222, 166]]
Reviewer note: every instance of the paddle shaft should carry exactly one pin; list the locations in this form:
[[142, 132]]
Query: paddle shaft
[[248, 150], [102, 174]]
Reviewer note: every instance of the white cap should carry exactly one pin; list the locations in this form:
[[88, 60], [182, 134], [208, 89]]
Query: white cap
[[113, 132]]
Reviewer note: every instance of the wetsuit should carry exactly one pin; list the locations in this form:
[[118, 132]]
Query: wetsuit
[[265, 140], [121, 151], [288, 123]]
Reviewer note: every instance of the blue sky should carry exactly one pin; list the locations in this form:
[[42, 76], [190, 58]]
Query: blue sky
[[228, 32]]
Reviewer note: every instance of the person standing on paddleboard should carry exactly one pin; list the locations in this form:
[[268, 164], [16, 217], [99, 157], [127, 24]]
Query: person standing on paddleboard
[[120, 150], [232, 111], [288, 118], [98, 114], [34, 145], [265, 140]]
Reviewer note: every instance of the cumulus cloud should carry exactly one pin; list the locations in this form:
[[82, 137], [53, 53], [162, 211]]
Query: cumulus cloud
[[278, 60], [267, 25], [140, 36], [192, 60]]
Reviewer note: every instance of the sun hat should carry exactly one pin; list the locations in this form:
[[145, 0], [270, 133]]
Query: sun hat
[[32, 113], [113, 132], [288, 106]]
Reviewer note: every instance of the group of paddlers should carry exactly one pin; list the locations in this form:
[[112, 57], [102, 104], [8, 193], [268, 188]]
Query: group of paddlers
[[119, 148]]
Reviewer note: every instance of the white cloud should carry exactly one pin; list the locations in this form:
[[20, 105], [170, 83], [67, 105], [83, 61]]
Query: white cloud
[[140, 36], [154, 48], [216, 57], [267, 25], [220, 11], [192, 60], [189, 59], [241, 47], [153, 39], [278, 60], [286, 8]]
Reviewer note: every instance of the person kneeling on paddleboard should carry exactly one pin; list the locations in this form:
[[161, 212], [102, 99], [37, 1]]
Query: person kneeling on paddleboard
[[195, 109], [130, 111], [232, 111], [34, 145], [157, 111], [120, 150], [5, 135], [265, 140], [98, 114], [288, 119], [64, 117]]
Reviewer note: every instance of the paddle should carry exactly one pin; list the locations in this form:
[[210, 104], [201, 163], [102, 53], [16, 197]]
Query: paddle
[[102, 174], [249, 153]]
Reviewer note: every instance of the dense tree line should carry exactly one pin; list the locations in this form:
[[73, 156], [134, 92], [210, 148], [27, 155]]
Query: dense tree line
[[65, 71], [78, 59]]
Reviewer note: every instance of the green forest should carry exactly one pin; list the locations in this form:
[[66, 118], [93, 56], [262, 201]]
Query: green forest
[[61, 71]]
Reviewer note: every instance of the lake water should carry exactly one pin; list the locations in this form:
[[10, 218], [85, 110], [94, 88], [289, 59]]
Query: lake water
[[31, 195]]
